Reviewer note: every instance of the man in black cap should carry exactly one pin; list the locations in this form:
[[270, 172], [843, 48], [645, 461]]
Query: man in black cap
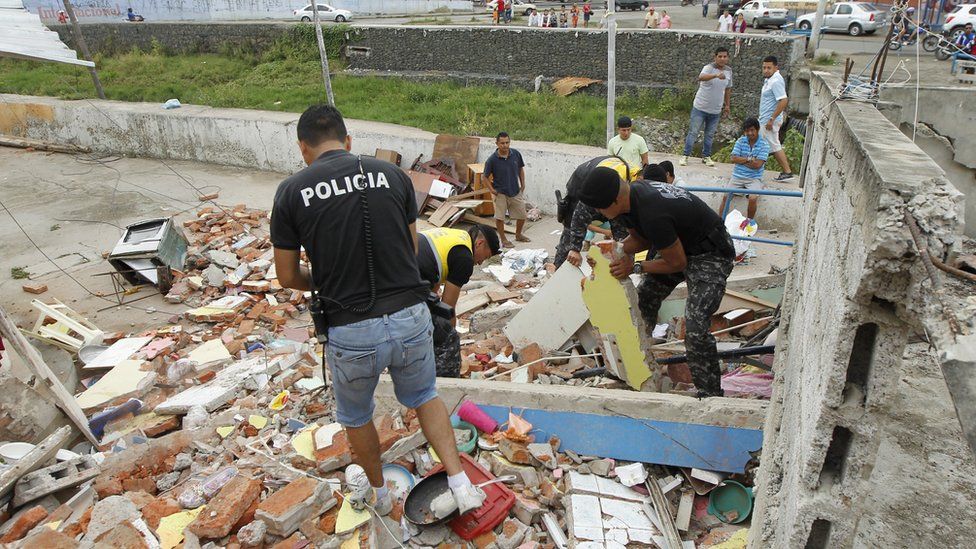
[[691, 244]]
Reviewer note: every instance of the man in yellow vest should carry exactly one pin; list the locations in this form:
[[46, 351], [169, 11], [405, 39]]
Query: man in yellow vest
[[448, 257]]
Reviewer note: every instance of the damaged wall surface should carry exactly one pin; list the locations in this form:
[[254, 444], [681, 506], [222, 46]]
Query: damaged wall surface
[[854, 294], [265, 140], [504, 56]]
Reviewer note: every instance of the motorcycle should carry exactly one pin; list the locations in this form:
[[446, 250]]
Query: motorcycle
[[930, 43]]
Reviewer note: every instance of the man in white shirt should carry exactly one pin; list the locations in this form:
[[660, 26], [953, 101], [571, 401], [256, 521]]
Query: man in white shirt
[[628, 145], [711, 104], [725, 22], [652, 19], [535, 19]]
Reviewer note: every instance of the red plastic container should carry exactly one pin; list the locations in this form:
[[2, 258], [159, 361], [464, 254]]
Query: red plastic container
[[500, 501]]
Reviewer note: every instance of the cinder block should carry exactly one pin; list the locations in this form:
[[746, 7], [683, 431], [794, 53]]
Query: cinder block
[[59, 476]]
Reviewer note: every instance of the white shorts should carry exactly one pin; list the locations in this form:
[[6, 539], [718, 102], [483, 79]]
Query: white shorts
[[772, 137]]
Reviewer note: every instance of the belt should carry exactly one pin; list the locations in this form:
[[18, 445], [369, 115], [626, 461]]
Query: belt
[[717, 240]]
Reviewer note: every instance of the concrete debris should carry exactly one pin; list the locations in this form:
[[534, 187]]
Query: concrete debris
[[52, 479]]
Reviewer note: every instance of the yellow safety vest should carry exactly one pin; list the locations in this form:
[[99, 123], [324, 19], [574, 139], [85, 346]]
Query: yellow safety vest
[[441, 241], [621, 167]]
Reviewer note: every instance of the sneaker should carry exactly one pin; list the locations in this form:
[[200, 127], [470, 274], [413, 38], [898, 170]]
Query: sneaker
[[469, 498], [361, 492], [708, 161], [683, 161], [783, 177]]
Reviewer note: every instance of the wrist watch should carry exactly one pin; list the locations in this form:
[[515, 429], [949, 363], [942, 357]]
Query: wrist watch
[[638, 268]]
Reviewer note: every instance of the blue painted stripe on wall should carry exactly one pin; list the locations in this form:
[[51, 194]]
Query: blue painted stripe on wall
[[649, 441]]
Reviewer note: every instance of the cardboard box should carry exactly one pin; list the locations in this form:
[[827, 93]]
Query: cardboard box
[[388, 155]]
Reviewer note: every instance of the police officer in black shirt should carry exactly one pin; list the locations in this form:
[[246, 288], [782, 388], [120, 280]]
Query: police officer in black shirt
[[692, 245], [447, 257], [356, 219]]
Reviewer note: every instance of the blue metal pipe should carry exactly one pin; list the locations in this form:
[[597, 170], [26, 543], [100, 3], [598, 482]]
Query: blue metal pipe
[[727, 190], [763, 240]]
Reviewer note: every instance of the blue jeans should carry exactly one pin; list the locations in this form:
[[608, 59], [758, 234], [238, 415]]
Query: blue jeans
[[359, 352], [701, 119], [704, 10]]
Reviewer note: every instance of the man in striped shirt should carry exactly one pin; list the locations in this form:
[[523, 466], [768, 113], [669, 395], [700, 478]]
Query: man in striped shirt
[[749, 156]]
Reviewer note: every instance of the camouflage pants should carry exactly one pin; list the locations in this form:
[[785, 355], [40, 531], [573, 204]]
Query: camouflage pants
[[706, 275], [447, 348]]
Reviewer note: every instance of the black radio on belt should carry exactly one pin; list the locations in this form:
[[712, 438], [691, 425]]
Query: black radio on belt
[[438, 307], [320, 319]]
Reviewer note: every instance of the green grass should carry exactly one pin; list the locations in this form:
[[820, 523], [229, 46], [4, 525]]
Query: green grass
[[287, 78], [430, 21], [19, 273], [792, 145]]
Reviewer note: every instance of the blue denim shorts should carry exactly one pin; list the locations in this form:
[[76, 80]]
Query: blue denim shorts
[[358, 353]]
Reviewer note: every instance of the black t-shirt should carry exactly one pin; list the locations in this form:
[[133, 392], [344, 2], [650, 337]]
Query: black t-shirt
[[662, 213], [319, 209], [575, 182], [460, 264]]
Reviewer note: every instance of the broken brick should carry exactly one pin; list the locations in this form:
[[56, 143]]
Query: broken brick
[[295, 541], [49, 539], [205, 197], [164, 425], [328, 521], [160, 507], [34, 288], [516, 452], [226, 508], [146, 485], [123, 536], [485, 540], [287, 508], [24, 523], [109, 486]]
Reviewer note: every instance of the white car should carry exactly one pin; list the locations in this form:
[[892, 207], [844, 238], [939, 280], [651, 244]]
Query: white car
[[957, 19], [520, 7], [760, 13], [326, 13], [854, 18]]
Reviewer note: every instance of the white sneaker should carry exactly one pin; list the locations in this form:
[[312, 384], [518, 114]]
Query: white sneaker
[[683, 161], [708, 161], [360, 491], [469, 498]]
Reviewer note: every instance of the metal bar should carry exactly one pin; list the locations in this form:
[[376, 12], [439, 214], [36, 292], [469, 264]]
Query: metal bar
[[731, 353], [763, 240], [729, 190]]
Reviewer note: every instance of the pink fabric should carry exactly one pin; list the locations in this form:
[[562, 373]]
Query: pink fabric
[[739, 382]]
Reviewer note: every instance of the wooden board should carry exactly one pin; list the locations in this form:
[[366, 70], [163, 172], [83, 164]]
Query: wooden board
[[463, 150], [471, 302], [485, 207], [468, 216], [421, 187]]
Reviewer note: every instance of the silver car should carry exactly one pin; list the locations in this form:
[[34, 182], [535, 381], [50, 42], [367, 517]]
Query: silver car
[[854, 18]]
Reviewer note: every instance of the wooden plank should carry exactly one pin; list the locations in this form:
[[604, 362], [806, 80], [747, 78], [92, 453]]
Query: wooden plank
[[21, 143], [66, 401], [443, 214], [35, 459], [683, 519], [468, 216], [672, 538], [503, 296], [755, 301], [463, 150], [471, 302]]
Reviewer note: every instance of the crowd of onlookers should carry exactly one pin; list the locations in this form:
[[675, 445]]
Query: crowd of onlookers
[[577, 16]]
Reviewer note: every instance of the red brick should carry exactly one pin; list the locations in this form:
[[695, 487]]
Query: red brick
[[248, 515], [49, 539], [123, 536], [295, 541], [108, 486], [226, 508], [146, 485], [34, 288], [484, 540], [80, 526], [516, 452], [160, 507], [328, 522], [25, 523]]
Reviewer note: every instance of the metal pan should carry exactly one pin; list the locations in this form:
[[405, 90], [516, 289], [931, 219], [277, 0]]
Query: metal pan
[[417, 505]]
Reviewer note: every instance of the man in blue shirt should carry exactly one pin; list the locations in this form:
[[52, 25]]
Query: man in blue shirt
[[749, 156], [965, 40], [505, 175], [772, 105]]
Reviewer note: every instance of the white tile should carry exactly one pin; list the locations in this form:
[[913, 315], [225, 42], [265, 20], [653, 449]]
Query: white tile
[[613, 489], [584, 484], [585, 512], [618, 535], [632, 514]]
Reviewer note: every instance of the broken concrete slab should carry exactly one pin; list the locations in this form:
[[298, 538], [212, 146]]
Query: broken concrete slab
[[577, 483], [222, 388], [122, 349], [286, 509], [536, 323], [126, 380], [502, 467], [56, 477]]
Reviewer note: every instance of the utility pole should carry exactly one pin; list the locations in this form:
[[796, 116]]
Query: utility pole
[[814, 42], [611, 69], [322, 54], [80, 40]]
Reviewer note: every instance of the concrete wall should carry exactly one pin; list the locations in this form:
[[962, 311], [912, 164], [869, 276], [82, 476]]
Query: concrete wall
[[657, 59], [853, 295], [266, 141], [946, 118], [102, 11]]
